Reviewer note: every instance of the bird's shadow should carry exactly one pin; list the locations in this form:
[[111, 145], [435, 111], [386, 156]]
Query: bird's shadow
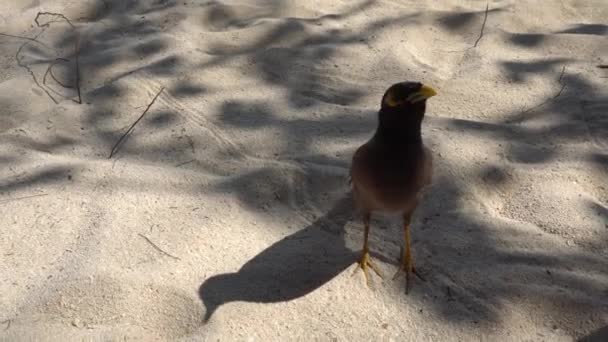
[[600, 334], [290, 268]]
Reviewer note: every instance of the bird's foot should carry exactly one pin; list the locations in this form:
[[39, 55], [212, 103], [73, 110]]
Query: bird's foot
[[365, 262], [407, 267]]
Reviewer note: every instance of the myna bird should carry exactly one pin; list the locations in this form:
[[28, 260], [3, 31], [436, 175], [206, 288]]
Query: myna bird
[[390, 171]]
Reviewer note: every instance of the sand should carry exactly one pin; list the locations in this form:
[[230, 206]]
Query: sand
[[225, 215]]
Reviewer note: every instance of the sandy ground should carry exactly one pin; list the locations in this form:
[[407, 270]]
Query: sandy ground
[[229, 200]]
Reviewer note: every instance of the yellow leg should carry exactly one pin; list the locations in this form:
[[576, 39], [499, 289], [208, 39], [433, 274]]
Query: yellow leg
[[365, 260], [407, 260]]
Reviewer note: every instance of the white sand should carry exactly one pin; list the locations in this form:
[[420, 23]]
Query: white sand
[[239, 171]]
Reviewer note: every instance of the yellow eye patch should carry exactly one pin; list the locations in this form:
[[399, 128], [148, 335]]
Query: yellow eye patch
[[391, 101]]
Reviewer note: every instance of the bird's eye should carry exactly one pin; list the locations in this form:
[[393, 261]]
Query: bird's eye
[[390, 100], [393, 98]]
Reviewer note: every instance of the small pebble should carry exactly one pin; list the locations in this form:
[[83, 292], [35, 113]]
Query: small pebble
[[77, 323]]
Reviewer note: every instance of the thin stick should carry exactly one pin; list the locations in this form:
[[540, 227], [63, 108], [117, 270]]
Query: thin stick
[[47, 24], [49, 71], [483, 26], [559, 92], [561, 75], [27, 68], [184, 163], [21, 198], [59, 82], [123, 137], [26, 38], [8, 323], [76, 44], [158, 248], [560, 82], [450, 297], [77, 53]]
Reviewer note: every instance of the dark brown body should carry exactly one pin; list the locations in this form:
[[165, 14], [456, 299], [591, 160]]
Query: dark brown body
[[390, 178], [391, 170]]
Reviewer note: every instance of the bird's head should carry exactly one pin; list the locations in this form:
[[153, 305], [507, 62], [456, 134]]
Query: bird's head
[[407, 97], [402, 111]]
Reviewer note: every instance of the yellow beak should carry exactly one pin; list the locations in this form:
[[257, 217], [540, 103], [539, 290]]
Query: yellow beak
[[427, 91], [424, 93]]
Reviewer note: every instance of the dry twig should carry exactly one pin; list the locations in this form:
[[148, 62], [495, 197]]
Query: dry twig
[[77, 53], [559, 92], [8, 323], [21, 198], [49, 71], [29, 70], [449, 292], [483, 25], [123, 137], [184, 163], [76, 49], [26, 38], [158, 248], [48, 23]]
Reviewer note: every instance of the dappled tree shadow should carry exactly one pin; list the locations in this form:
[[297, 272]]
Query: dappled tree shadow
[[550, 281], [125, 40], [527, 39], [575, 115], [595, 29]]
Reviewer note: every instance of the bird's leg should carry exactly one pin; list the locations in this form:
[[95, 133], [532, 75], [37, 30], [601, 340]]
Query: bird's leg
[[365, 259], [407, 260]]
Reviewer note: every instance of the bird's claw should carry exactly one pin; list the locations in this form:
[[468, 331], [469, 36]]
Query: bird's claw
[[404, 270], [365, 262], [407, 267]]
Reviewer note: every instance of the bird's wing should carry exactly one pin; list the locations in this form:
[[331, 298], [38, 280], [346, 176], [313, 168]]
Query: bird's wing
[[428, 167]]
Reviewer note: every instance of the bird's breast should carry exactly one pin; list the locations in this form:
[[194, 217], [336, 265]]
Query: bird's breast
[[389, 181]]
